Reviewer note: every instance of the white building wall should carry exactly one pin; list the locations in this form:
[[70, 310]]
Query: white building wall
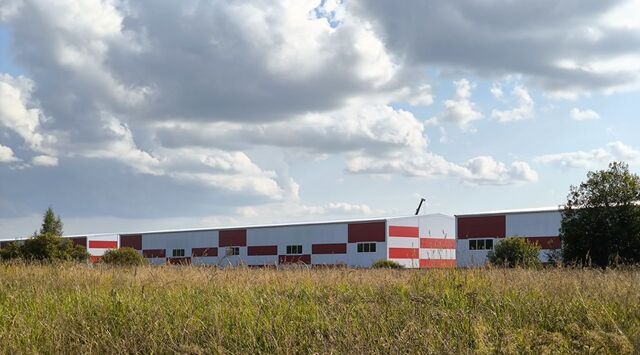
[[182, 240], [535, 224]]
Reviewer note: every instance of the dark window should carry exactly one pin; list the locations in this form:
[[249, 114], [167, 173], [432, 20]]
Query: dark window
[[366, 247], [489, 244], [473, 244], [294, 249], [178, 252], [481, 244], [230, 251]]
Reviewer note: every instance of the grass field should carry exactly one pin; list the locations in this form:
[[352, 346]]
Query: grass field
[[75, 309]]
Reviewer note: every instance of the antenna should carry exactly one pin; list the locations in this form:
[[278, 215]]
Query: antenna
[[420, 205]]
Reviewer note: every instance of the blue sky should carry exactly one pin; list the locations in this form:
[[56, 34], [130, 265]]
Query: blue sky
[[146, 115]]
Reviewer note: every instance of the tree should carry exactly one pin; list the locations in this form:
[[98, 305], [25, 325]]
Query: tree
[[51, 224], [47, 245], [515, 251], [601, 220], [123, 257]]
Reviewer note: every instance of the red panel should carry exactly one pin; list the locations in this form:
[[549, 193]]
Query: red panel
[[81, 241], [132, 241], [180, 261], [203, 252], [263, 250], [103, 244], [233, 238], [481, 227], [437, 263], [410, 232], [339, 248], [367, 232], [404, 253], [294, 259], [546, 242], [95, 259], [153, 253], [433, 243]]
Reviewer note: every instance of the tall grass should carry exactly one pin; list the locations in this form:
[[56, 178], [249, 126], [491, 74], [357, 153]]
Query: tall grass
[[78, 309]]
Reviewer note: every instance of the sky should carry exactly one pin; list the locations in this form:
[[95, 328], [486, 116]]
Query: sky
[[139, 115]]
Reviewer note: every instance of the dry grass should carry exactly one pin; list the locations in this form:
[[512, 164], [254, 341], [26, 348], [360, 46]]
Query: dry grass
[[77, 309]]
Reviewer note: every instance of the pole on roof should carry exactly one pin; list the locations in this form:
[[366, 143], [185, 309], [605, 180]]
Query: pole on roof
[[420, 205]]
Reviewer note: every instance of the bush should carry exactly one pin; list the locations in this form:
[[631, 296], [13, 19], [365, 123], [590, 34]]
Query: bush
[[48, 247], [123, 257], [386, 264], [11, 251], [515, 251]]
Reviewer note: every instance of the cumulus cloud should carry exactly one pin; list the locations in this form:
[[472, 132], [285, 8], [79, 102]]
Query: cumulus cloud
[[573, 47], [459, 110], [496, 91], [44, 160], [583, 115], [7, 155], [595, 158], [523, 110]]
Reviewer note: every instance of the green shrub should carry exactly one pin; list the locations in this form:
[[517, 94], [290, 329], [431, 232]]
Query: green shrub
[[123, 257], [386, 264], [45, 247], [11, 251], [515, 251]]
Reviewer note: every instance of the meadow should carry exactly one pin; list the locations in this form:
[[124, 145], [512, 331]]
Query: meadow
[[82, 309]]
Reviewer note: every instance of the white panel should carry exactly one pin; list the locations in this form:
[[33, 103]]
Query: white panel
[[438, 254], [330, 259], [538, 224], [470, 258], [356, 259], [180, 240], [103, 237], [437, 226], [408, 263], [201, 260], [298, 235], [403, 242]]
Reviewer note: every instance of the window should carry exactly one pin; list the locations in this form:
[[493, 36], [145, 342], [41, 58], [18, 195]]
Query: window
[[481, 244], [178, 252], [294, 249], [366, 247], [232, 251]]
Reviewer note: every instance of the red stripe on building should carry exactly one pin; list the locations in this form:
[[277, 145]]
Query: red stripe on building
[[95, 259], [400, 231], [131, 241], [437, 263], [367, 232], [546, 242], [338, 248], [404, 253], [294, 259], [153, 253], [481, 227], [204, 252], [433, 243], [233, 238], [263, 250], [103, 244]]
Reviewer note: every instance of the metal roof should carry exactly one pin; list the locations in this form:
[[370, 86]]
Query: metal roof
[[204, 229], [513, 211]]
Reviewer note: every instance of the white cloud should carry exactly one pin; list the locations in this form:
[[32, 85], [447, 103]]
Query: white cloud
[[459, 110], [523, 110], [496, 91], [583, 115], [44, 160], [595, 158], [19, 114], [6, 155], [485, 170]]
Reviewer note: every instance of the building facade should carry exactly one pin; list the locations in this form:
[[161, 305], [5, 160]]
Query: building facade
[[478, 233], [424, 241]]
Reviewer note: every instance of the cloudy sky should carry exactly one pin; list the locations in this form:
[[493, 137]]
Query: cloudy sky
[[132, 115]]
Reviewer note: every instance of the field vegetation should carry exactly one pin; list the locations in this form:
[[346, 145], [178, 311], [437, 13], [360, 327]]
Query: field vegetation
[[73, 308]]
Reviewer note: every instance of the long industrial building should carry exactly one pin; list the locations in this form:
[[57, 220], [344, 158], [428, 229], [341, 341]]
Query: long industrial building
[[422, 241]]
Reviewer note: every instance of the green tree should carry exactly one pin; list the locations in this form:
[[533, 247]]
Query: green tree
[[601, 220], [515, 251], [123, 257], [11, 251], [51, 224]]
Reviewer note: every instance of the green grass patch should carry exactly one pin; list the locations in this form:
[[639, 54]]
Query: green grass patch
[[79, 309]]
